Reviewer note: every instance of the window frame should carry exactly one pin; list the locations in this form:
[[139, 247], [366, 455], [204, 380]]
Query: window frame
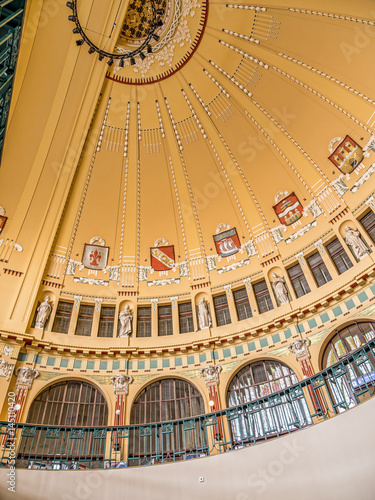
[[144, 323], [319, 266], [242, 302], [165, 320], [263, 297], [105, 322], [66, 314], [339, 256], [222, 312], [299, 279], [83, 320], [185, 314]]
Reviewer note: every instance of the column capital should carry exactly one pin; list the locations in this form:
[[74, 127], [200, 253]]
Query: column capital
[[26, 376], [300, 348], [121, 383], [211, 374]]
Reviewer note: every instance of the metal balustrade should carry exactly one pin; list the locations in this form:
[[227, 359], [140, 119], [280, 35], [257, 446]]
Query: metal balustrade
[[334, 390]]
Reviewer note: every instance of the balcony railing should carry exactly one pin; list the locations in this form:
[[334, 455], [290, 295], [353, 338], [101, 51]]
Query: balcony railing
[[332, 391]]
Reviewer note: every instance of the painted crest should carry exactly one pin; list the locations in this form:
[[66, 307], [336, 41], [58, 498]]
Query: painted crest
[[227, 243], [289, 209], [347, 155], [162, 258], [3, 220], [95, 257]]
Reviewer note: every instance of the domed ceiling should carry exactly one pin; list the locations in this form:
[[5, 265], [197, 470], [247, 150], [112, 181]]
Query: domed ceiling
[[230, 121], [224, 151]]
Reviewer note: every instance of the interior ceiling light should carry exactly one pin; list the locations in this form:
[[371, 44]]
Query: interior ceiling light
[[155, 23]]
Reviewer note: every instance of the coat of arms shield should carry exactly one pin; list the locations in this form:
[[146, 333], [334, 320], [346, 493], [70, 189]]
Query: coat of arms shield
[[162, 258], [289, 209], [95, 257], [3, 220], [347, 155], [227, 243]]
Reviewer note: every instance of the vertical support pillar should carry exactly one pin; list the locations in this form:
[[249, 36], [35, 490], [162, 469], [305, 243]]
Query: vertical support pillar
[[300, 349], [121, 384], [154, 318], [211, 377], [25, 378], [175, 318]]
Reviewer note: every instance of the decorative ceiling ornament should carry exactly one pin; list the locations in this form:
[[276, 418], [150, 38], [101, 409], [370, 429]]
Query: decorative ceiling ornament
[[97, 240], [178, 37], [289, 209], [347, 155], [161, 242], [2, 211], [149, 19], [280, 195], [227, 243], [222, 227], [95, 257], [333, 144]]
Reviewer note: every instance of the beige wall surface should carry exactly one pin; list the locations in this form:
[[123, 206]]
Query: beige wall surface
[[333, 460]]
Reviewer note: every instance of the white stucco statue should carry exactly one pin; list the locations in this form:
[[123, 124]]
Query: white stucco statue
[[204, 317], [279, 287], [43, 312], [126, 318], [4, 365], [354, 241]]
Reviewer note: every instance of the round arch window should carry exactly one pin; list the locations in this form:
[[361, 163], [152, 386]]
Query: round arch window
[[69, 403], [165, 400], [347, 340], [259, 379], [261, 419], [345, 386], [66, 405]]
